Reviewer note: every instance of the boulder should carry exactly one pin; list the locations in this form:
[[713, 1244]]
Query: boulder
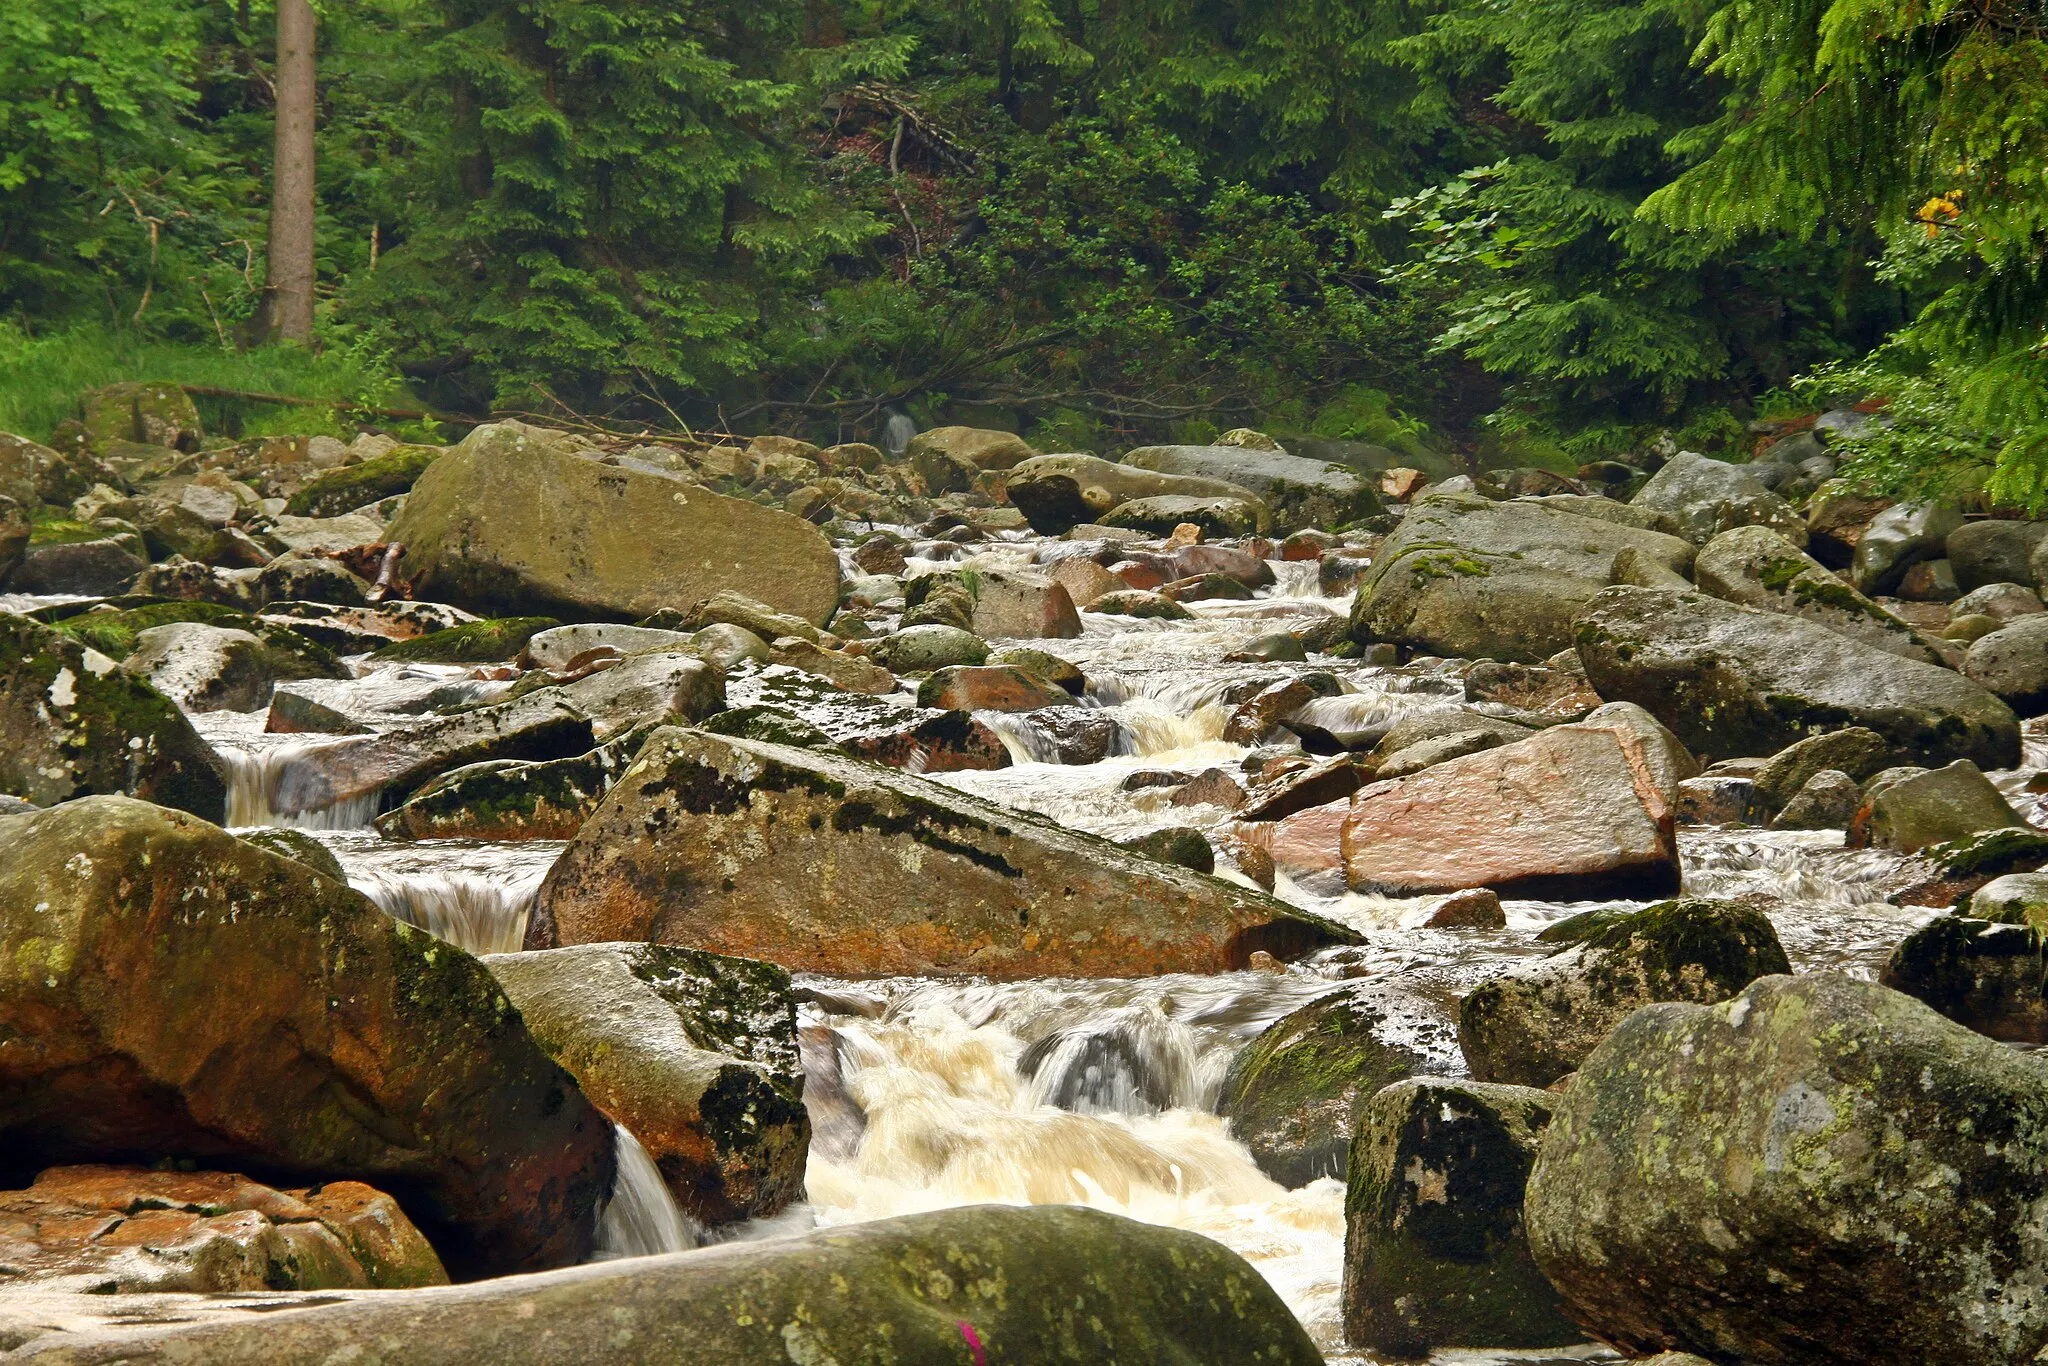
[[990, 687], [729, 608], [1570, 813], [1051, 1285], [2014, 899], [1295, 1093], [1466, 577], [880, 730], [1721, 799], [354, 486], [123, 1230], [554, 647], [1434, 1250], [1732, 680], [73, 723], [1084, 580], [654, 688], [1160, 515], [922, 649], [1058, 492], [1668, 762], [695, 1054], [1929, 581], [2012, 662], [148, 412], [1299, 492], [14, 535], [824, 863], [1931, 807], [1948, 874], [310, 576], [512, 522], [206, 668], [1017, 604], [505, 799], [1068, 735], [1995, 551], [1899, 538], [1756, 567], [1707, 497], [1829, 800], [1139, 605], [841, 670], [175, 990], [92, 566], [31, 473], [1855, 750], [2002, 602], [948, 458], [1987, 976], [1796, 1176], [492, 640], [286, 842], [1538, 1021]]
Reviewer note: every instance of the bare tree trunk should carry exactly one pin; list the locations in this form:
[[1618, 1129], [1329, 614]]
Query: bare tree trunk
[[287, 309]]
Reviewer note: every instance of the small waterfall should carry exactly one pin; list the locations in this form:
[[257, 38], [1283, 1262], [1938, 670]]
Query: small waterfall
[[897, 431], [1135, 1061], [1296, 579], [641, 1219], [482, 915], [1028, 744], [1154, 730], [256, 777]]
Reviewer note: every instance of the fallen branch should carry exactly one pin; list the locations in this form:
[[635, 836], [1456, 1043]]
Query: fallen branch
[[294, 401]]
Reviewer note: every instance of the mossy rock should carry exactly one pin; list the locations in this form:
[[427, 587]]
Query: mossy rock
[[771, 725], [490, 641], [286, 842], [113, 633], [354, 486], [1177, 844]]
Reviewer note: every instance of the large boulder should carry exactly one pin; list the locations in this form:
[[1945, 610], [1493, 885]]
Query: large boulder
[[1927, 807], [1733, 681], [216, 668], [513, 522], [1051, 1285], [1854, 750], [694, 1053], [1989, 976], [1434, 1251], [72, 723], [147, 412], [1899, 538], [1708, 497], [168, 989], [823, 863], [126, 1230], [510, 799], [1059, 492], [2012, 662], [1295, 1093], [1820, 1170], [1467, 577], [1572, 812], [355, 486], [32, 473], [1300, 492], [949, 458], [1756, 567], [1538, 1021], [1995, 551]]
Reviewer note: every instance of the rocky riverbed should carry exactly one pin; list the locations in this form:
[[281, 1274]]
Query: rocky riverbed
[[765, 850]]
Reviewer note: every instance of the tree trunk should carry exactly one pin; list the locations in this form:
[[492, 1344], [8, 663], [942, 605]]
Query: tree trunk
[[287, 310]]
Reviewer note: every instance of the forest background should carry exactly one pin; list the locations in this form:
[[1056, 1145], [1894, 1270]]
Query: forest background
[[1526, 231]]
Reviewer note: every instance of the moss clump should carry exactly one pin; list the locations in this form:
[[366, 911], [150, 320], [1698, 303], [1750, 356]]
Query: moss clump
[[475, 642], [64, 531], [770, 725], [114, 633], [299, 846], [354, 486], [1989, 853]]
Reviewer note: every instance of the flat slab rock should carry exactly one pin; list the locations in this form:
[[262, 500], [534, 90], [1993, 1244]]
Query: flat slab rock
[[1573, 812], [823, 863]]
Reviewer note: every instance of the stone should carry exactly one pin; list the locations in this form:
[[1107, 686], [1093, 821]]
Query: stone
[[1160, 515], [97, 566], [1281, 647], [1948, 874], [492, 640], [1067, 734], [31, 473], [1570, 813], [1829, 800], [823, 863], [1539, 1020], [1434, 1249], [555, 646], [923, 649], [506, 799], [1731, 680], [358, 630], [287, 842], [879, 555], [1756, 567], [1050, 1285], [1666, 761], [1206, 588], [1084, 580], [1931, 808], [1180, 845], [1143, 606], [1300, 492], [694, 1053], [1708, 497], [879, 730], [1469, 578], [343, 532], [1047, 667], [1899, 538], [309, 576], [182, 991], [1433, 751], [1721, 799], [2012, 662], [1294, 1094], [726, 648], [122, 1230], [1210, 787], [1256, 717], [2003, 602], [353, 486], [1855, 750], [1019, 605], [1058, 492], [1314, 784], [729, 608], [838, 668], [948, 458], [15, 532], [1929, 581], [1559, 693], [73, 723], [1822, 1146], [2014, 899], [149, 412], [1984, 975], [944, 599], [1476, 909], [989, 687], [206, 668], [1995, 551], [512, 522], [293, 713]]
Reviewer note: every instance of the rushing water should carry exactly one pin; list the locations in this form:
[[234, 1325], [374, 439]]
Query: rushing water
[[926, 1094]]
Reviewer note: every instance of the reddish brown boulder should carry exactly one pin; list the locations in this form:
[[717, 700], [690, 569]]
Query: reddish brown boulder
[[989, 687], [166, 988], [127, 1229], [1572, 812]]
